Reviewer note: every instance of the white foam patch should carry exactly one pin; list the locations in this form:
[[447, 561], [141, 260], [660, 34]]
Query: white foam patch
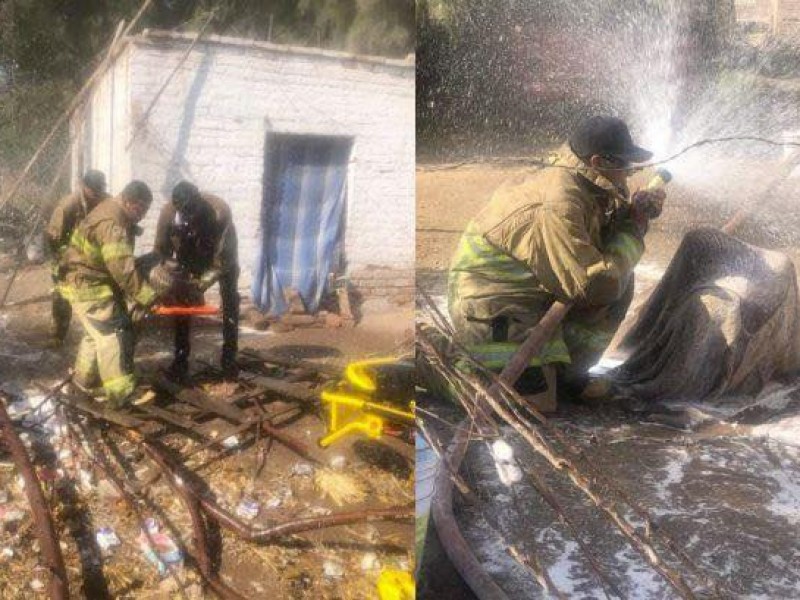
[[569, 560], [642, 582], [669, 475], [785, 430]]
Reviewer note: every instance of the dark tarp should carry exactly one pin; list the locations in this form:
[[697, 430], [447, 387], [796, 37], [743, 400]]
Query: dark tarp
[[723, 320]]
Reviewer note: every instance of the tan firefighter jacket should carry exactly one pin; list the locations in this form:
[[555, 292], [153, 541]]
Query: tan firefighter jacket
[[562, 233], [100, 262], [68, 212]]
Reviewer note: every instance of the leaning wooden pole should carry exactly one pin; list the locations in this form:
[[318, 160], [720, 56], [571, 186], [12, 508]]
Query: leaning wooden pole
[[146, 115], [538, 336], [43, 522]]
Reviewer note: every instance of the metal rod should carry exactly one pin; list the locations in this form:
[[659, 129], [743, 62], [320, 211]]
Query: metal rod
[[45, 531]]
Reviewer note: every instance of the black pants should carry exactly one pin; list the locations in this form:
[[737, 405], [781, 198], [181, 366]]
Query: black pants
[[62, 312], [228, 291]]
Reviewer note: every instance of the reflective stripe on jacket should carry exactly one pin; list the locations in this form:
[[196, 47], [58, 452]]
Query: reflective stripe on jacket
[[561, 234], [100, 261]]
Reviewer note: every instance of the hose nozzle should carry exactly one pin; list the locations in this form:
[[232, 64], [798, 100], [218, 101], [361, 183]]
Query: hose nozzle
[[659, 180]]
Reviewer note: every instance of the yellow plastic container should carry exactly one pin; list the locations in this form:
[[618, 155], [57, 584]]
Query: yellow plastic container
[[396, 585]]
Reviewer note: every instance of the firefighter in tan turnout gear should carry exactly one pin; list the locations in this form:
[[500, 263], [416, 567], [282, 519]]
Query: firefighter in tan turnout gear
[[67, 215], [571, 233], [107, 293]]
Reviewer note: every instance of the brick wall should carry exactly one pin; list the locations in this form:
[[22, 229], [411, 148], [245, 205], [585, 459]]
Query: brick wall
[[211, 126], [395, 285]]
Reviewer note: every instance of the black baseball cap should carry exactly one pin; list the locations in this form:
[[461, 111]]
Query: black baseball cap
[[607, 136], [95, 181], [184, 195]]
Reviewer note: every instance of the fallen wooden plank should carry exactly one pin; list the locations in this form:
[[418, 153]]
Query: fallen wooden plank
[[200, 399], [265, 356], [171, 418], [96, 409], [294, 391]]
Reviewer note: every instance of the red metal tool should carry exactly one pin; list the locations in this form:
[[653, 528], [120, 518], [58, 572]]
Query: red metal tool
[[185, 311]]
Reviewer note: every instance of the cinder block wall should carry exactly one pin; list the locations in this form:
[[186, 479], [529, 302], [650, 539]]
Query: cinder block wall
[[212, 123]]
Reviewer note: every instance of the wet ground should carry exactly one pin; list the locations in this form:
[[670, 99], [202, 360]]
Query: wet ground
[[731, 500]]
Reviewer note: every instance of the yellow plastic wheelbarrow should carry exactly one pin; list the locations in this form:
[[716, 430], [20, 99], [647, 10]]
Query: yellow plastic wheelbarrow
[[374, 393]]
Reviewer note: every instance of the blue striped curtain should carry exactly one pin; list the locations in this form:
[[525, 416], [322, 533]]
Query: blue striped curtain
[[302, 220]]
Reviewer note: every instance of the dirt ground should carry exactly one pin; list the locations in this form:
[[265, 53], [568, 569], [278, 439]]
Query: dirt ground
[[733, 502], [291, 567]]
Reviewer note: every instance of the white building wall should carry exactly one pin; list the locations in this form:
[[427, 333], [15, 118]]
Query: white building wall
[[211, 123], [104, 124]]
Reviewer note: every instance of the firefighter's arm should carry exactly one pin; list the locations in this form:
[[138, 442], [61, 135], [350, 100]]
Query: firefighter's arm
[[118, 257], [163, 241], [575, 269], [225, 254]]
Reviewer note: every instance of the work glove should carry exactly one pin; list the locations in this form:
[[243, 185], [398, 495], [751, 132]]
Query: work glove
[[645, 205], [649, 203], [208, 279], [139, 314]]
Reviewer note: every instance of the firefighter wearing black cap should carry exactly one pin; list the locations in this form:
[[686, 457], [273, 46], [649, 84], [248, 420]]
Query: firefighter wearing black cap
[[66, 216], [197, 230], [571, 233]]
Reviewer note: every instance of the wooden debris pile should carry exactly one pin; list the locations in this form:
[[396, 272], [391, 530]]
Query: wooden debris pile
[[153, 485]]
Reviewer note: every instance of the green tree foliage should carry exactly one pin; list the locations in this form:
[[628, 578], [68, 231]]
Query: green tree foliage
[[49, 47]]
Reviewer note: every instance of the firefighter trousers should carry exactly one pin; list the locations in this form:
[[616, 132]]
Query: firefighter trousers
[[106, 351], [228, 291], [62, 312]]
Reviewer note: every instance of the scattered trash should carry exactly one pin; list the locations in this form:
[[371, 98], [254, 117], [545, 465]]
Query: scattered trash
[[332, 569], [34, 251], [166, 551], [107, 491], [7, 553], [273, 502], [230, 442], [339, 487], [86, 480], [248, 509], [16, 410], [507, 468], [302, 582], [338, 461], [319, 511], [3, 496], [372, 533], [107, 539], [37, 585], [370, 562], [151, 525], [10, 514], [302, 470]]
